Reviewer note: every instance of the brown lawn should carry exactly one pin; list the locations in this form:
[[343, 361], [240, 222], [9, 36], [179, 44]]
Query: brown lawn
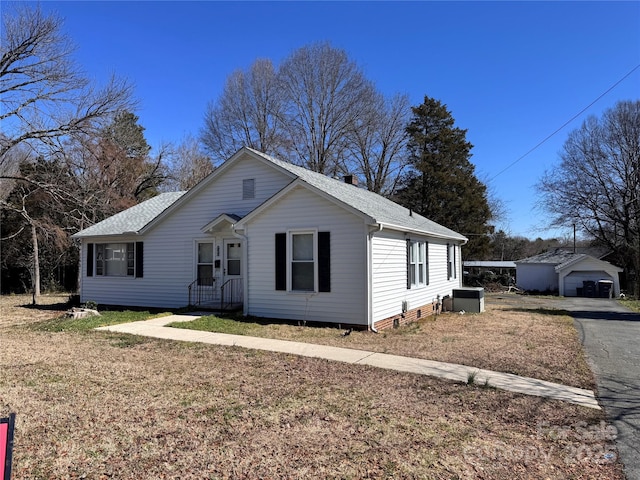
[[96, 405], [528, 339]]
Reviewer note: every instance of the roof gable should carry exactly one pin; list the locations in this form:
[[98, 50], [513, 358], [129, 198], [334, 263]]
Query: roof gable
[[573, 264], [369, 204]]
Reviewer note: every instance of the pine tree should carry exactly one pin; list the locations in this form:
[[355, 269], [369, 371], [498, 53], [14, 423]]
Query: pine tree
[[441, 184]]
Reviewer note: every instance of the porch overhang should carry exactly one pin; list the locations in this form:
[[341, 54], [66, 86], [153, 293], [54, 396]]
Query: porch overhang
[[221, 223]]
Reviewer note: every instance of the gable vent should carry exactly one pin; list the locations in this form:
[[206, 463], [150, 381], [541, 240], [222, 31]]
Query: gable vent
[[248, 189]]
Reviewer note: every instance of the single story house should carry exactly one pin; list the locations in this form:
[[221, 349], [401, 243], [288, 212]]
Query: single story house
[[570, 274], [278, 240]]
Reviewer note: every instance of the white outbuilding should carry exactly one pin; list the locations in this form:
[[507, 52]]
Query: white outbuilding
[[568, 273]]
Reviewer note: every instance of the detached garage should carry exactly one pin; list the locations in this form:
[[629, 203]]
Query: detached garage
[[570, 274]]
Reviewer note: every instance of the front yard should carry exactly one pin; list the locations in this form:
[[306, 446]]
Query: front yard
[[529, 340], [98, 405]]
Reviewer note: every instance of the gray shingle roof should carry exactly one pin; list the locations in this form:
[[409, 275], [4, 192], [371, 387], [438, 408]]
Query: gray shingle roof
[[375, 206], [554, 257], [371, 204], [132, 219]]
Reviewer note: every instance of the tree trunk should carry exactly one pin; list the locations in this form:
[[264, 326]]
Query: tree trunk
[[36, 265]]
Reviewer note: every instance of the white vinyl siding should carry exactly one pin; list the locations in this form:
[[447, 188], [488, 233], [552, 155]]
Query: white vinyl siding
[[299, 211], [537, 276], [170, 253], [389, 274]]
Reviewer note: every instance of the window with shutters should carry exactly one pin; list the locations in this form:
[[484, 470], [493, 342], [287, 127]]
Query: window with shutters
[[451, 262], [302, 261], [115, 259], [417, 264]]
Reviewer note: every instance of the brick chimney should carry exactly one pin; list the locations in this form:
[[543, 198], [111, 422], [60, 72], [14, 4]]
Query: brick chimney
[[351, 180]]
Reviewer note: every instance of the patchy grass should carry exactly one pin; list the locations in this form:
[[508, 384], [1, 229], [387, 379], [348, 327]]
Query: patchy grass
[[232, 325], [88, 408], [529, 339], [631, 303], [64, 324]]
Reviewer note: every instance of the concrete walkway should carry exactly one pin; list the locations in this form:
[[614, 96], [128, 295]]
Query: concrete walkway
[[505, 381]]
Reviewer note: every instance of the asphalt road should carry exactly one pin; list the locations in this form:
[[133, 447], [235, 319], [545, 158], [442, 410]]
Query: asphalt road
[[610, 334]]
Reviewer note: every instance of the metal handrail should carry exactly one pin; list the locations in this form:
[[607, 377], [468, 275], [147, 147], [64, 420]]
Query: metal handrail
[[231, 293], [201, 290]]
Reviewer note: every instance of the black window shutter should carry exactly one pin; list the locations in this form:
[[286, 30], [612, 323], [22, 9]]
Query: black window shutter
[[324, 261], [281, 261], [90, 259], [454, 267], [139, 259], [408, 264]]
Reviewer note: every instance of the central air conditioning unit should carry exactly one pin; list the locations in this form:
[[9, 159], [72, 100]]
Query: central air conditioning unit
[[469, 299]]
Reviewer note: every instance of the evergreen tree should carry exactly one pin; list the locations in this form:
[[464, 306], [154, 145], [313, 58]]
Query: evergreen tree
[[441, 184]]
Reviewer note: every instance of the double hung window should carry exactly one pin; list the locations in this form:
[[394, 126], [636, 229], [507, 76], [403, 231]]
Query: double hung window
[[205, 263], [417, 264], [451, 262], [115, 259], [303, 261]]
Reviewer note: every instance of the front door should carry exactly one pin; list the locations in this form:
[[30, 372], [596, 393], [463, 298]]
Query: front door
[[232, 271], [232, 261]]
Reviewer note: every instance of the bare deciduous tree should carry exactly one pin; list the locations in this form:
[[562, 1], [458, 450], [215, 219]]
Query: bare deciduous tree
[[43, 94], [326, 95], [247, 113], [188, 165], [377, 142], [317, 110], [597, 184], [44, 99]]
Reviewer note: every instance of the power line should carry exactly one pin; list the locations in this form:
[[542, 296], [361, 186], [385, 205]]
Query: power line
[[566, 123]]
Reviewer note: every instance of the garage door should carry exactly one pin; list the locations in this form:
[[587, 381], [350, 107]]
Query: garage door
[[575, 280]]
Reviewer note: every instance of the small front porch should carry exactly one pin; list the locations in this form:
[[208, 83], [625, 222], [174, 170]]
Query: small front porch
[[218, 283], [206, 293]]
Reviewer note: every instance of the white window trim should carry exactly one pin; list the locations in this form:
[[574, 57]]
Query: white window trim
[[416, 246], [96, 249], [196, 259], [290, 234], [452, 257]]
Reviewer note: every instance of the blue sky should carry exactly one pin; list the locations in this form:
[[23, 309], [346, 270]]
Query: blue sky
[[511, 73]]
